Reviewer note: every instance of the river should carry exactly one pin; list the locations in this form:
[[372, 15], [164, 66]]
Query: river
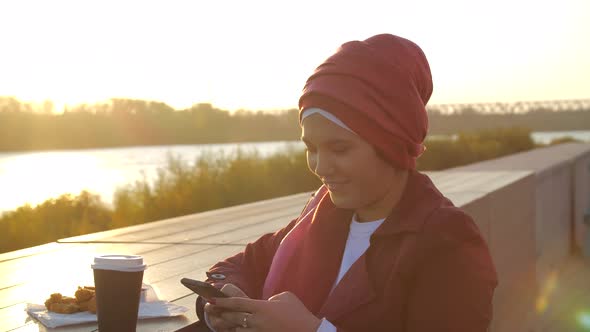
[[33, 177]]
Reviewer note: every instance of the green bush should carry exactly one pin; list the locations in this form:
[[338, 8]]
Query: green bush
[[470, 147], [55, 218]]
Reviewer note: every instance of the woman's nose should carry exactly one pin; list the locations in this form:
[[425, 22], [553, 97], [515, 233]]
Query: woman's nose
[[323, 165]]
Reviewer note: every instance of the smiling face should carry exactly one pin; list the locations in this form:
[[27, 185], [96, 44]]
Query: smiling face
[[356, 176]]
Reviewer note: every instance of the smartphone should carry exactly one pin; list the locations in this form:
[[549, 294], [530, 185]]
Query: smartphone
[[202, 288]]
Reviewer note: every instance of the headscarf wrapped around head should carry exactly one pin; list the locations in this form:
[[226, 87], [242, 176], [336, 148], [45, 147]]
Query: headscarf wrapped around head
[[379, 88]]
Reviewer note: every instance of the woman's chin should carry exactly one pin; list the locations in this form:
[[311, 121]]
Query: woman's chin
[[341, 200]]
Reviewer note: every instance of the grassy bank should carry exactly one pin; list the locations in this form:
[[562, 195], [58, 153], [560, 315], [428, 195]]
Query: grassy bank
[[179, 189], [218, 181]]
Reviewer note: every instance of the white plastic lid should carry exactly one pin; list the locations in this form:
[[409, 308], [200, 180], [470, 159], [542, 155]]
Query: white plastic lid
[[124, 263]]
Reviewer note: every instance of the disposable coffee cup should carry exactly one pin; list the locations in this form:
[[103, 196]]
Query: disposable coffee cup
[[118, 280]]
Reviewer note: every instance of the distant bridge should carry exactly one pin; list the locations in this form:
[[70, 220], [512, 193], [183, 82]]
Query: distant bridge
[[515, 107]]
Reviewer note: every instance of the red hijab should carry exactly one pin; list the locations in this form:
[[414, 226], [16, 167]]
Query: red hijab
[[379, 88]]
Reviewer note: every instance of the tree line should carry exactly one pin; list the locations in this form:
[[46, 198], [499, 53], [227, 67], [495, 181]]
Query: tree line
[[468, 119], [127, 122], [132, 122]]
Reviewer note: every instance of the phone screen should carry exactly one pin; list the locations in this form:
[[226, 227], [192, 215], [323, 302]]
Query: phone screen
[[202, 288]]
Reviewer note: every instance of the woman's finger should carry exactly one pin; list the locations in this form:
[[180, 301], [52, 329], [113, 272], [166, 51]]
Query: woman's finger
[[212, 309], [214, 317], [220, 324], [240, 319], [240, 304], [233, 291]]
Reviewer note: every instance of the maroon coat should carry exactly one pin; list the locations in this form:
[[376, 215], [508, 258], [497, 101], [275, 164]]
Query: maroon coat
[[427, 269]]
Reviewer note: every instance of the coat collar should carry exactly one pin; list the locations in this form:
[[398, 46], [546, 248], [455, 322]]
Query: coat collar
[[419, 200]]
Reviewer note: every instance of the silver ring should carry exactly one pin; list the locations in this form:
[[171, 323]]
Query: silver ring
[[245, 321]]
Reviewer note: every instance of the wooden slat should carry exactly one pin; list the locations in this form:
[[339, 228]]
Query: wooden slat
[[58, 265], [215, 232], [13, 317], [26, 252], [146, 231]]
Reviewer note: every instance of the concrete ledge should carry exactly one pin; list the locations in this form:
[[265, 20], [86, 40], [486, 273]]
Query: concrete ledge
[[535, 224]]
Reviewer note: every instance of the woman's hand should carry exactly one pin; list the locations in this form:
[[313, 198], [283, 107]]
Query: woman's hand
[[282, 312], [214, 313]]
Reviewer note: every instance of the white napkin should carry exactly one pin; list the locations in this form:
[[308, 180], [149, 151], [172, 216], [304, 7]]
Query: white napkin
[[146, 310]]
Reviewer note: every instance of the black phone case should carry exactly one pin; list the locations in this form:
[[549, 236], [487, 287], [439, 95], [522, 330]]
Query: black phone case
[[202, 288]]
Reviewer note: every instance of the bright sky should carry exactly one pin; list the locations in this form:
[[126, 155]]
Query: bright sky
[[257, 55]]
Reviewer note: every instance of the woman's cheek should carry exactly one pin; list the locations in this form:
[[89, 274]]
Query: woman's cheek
[[311, 162]]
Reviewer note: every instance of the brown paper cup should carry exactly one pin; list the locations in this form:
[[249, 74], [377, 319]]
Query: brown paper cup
[[118, 280]]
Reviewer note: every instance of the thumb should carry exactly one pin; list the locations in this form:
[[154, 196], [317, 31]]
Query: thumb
[[233, 291], [284, 296]]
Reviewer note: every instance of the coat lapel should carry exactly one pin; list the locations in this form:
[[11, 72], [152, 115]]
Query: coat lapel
[[419, 199], [352, 291], [355, 289]]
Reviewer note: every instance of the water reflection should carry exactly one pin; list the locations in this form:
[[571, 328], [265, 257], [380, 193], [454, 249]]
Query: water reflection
[[37, 176], [34, 177]]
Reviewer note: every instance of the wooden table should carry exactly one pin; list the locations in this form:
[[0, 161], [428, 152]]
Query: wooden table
[[175, 248]]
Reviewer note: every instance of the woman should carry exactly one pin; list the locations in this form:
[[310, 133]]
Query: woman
[[378, 247]]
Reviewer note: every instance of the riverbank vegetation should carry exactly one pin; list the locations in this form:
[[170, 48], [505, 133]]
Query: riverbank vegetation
[[215, 181], [131, 122]]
